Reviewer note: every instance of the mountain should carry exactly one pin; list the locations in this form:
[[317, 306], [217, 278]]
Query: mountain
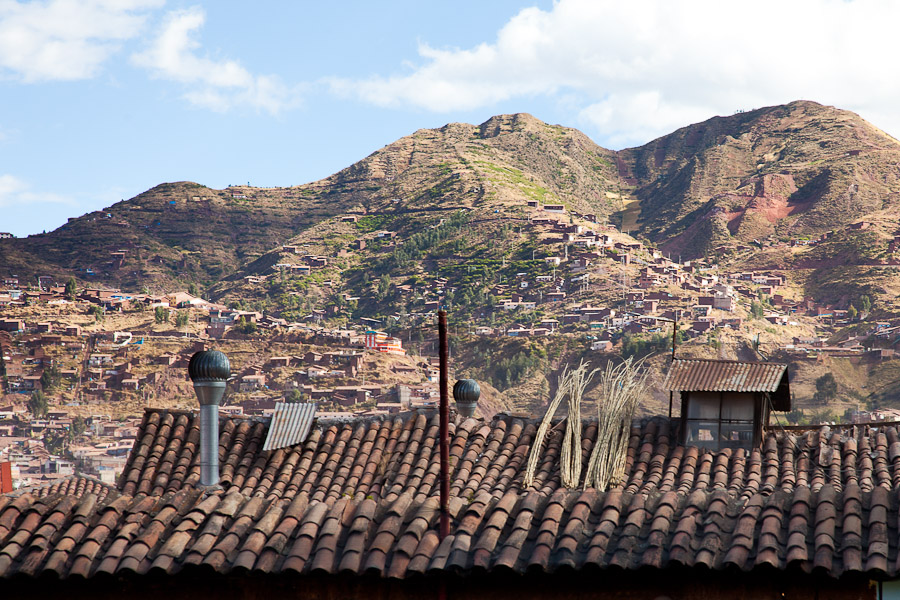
[[796, 170], [172, 234], [741, 187], [181, 232], [449, 217]]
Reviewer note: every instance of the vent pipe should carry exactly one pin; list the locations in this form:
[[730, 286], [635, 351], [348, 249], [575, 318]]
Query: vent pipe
[[209, 370], [466, 393]]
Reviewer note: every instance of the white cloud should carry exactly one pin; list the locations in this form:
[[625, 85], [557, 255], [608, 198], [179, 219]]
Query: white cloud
[[644, 67], [65, 39], [219, 85], [15, 192]]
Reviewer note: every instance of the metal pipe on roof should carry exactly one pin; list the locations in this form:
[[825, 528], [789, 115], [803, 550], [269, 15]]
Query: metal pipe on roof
[[209, 444], [209, 370]]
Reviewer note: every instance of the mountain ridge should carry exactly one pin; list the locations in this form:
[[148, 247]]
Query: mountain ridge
[[788, 171]]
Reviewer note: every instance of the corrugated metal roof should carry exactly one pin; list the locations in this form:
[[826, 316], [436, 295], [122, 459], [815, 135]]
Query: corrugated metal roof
[[291, 424], [698, 375]]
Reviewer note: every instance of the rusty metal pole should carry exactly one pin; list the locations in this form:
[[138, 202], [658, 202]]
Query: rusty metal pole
[[674, 330], [445, 426]]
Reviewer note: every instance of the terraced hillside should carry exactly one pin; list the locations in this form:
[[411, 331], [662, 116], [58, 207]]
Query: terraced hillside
[[743, 188]]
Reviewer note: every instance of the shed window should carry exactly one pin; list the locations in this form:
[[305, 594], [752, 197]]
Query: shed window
[[717, 420]]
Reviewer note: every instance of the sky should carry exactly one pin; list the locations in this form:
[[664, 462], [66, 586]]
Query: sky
[[101, 100]]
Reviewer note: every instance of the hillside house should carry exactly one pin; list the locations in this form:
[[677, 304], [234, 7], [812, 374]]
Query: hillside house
[[316, 262], [185, 300], [130, 383], [550, 324], [650, 306], [519, 304], [100, 360], [519, 330], [276, 362], [250, 383], [701, 310], [701, 326], [30, 383], [12, 325], [314, 358], [382, 342]]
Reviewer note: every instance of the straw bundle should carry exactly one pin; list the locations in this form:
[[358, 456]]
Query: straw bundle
[[621, 387], [571, 385]]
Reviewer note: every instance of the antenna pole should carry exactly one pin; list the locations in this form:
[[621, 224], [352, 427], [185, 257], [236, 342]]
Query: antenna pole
[[444, 426], [674, 330]]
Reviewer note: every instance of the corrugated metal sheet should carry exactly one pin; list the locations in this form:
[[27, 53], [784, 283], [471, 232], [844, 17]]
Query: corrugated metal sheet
[[291, 424], [723, 376]]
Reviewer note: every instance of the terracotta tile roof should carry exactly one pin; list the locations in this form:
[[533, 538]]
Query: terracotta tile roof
[[73, 485], [360, 498]]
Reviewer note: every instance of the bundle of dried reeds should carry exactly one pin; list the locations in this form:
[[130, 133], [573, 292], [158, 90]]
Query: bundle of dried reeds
[[621, 387], [570, 456], [535, 454], [571, 385]]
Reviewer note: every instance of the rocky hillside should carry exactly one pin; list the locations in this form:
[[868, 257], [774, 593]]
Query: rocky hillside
[[796, 170], [741, 188], [166, 237], [184, 232]]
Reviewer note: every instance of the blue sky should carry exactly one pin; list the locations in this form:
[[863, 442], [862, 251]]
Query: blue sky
[[103, 99]]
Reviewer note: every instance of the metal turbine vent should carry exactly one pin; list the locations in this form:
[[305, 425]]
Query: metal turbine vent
[[209, 370]]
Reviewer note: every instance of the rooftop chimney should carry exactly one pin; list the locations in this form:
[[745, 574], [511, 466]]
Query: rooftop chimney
[[209, 370]]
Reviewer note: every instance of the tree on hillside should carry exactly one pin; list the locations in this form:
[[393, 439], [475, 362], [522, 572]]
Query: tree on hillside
[[56, 442], [71, 288], [757, 310], [50, 377], [79, 425], [384, 284], [192, 289], [295, 397], [38, 404], [161, 315], [246, 327], [826, 389], [852, 313], [181, 319], [97, 311]]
